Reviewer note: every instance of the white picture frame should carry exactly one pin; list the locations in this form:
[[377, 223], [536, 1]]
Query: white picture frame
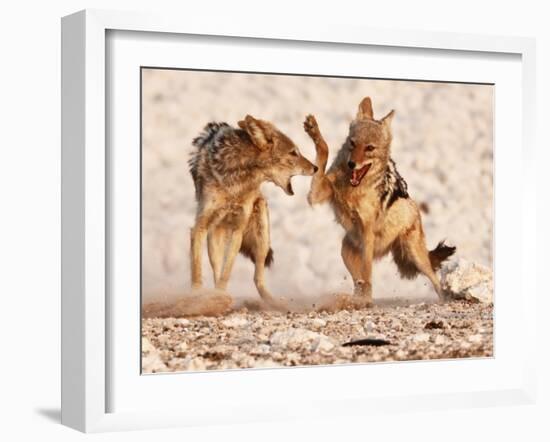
[[87, 203]]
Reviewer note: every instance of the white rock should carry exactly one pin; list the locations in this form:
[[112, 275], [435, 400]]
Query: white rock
[[146, 346], [182, 346], [299, 338], [324, 345], [235, 322], [421, 337], [400, 354], [475, 339], [265, 363], [318, 323], [369, 327], [262, 349], [467, 280], [440, 340], [196, 364], [151, 361]]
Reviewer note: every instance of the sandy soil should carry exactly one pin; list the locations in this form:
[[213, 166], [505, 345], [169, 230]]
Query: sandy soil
[[261, 339]]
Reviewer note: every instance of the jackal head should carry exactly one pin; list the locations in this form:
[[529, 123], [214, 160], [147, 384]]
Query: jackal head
[[280, 157], [368, 143]]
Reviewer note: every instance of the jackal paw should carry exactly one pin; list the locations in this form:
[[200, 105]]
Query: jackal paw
[[363, 290], [312, 128], [277, 304]]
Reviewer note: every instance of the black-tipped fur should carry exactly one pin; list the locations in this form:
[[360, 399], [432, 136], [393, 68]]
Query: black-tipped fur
[[408, 269], [440, 254], [247, 251]]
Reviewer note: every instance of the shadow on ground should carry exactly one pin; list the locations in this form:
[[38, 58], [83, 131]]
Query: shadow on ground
[[51, 414]]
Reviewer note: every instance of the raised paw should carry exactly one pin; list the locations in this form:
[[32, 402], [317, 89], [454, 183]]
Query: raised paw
[[312, 128]]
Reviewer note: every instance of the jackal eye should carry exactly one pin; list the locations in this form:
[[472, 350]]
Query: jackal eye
[[369, 148], [352, 143]]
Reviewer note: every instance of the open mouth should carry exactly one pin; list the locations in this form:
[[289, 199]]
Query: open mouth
[[289, 189], [284, 183], [358, 174]]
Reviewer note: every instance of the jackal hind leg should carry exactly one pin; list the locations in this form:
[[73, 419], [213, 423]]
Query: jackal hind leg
[[353, 260], [217, 242], [237, 223], [233, 246], [413, 253], [198, 235], [257, 243]]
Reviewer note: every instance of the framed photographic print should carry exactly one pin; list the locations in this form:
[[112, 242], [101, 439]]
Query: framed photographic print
[[251, 213]]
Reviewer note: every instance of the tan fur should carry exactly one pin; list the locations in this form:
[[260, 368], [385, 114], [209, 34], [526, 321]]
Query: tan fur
[[232, 215], [376, 211]]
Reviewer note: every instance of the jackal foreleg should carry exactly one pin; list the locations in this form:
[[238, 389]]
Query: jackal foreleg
[[321, 188], [364, 286]]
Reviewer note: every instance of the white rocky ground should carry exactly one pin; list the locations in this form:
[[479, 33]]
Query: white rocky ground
[[245, 339]]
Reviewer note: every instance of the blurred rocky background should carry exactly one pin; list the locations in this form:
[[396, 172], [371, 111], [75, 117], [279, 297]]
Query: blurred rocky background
[[443, 147]]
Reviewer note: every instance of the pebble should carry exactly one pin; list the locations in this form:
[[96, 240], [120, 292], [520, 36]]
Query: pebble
[[421, 337], [235, 321], [324, 345], [195, 364], [146, 345], [475, 339], [440, 340], [294, 338], [182, 346], [400, 354], [318, 323]]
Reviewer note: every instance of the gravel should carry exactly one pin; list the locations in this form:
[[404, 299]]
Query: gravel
[[261, 339]]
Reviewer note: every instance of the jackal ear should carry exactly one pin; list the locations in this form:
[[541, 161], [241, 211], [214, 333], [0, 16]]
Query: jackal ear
[[388, 118], [365, 109], [259, 131]]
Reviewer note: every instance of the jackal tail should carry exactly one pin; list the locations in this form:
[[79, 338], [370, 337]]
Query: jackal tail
[[440, 254], [250, 254], [406, 263]]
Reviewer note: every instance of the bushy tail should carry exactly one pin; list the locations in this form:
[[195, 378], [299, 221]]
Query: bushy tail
[[246, 251], [440, 254]]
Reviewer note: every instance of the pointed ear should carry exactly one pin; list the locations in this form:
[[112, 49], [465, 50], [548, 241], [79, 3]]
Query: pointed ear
[[388, 118], [259, 131], [365, 109]]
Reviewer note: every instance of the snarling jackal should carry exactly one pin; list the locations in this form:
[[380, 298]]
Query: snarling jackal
[[228, 166], [371, 201]]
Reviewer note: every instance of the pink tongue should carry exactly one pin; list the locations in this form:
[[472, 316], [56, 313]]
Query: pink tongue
[[354, 174]]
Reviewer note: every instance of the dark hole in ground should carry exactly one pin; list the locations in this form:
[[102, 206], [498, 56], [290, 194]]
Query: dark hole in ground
[[367, 341]]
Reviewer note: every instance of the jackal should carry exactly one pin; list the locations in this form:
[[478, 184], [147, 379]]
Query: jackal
[[371, 201], [228, 166]]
